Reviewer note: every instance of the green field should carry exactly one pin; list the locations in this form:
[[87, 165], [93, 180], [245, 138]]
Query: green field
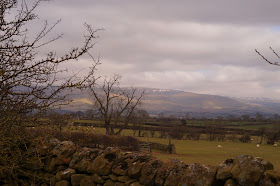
[[207, 152]]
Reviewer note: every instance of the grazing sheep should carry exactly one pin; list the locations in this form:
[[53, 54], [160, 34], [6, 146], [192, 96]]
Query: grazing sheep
[[275, 145], [258, 145], [219, 146]]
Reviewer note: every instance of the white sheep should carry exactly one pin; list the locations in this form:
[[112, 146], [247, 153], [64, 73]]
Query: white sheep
[[275, 145], [258, 145], [219, 146]]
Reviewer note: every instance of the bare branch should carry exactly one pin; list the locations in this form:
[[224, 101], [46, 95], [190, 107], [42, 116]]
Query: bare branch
[[272, 63]]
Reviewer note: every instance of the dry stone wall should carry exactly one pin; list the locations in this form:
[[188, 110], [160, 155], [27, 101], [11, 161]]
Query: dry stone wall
[[66, 164]]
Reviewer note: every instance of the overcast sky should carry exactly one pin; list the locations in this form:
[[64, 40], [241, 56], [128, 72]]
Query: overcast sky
[[192, 45]]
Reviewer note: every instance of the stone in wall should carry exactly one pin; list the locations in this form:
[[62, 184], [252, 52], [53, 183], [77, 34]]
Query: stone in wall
[[248, 170], [65, 174], [270, 177], [149, 171], [63, 152], [77, 178], [165, 170], [176, 172], [102, 165], [122, 164], [231, 182], [135, 163], [224, 170], [199, 175], [62, 183], [82, 160]]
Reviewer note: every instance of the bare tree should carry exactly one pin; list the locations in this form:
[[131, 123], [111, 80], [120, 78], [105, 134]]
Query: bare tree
[[138, 119], [262, 131], [246, 117], [59, 120], [115, 104], [259, 116], [29, 82]]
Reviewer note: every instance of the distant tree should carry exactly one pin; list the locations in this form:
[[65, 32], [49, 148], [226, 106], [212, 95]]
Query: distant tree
[[273, 134], [176, 132], [276, 118], [115, 104], [245, 138], [187, 116], [259, 117], [90, 114], [233, 137], [161, 115], [246, 117], [79, 114], [261, 132], [59, 120], [193, 134], [183, 122], [141, 113], [231, 118], [138, 119], [220, 118], [211, 132]]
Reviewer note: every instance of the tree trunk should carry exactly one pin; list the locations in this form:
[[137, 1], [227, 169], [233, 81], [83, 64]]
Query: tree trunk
[[112, 130], [119, 131], [107, 126]]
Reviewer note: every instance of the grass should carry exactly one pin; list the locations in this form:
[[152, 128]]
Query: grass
[[207, 152]]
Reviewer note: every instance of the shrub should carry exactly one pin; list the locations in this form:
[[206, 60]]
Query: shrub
[[176, 133], [245, 138], [99, 140], [233, 137], [193, 134]]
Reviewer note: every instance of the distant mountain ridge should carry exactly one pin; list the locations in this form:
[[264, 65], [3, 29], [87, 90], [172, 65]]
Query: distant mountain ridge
[[180, 102]]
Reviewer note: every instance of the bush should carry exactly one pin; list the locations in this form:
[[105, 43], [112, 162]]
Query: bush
[[98, 140], [176, 133], [245, 138], [233, 137], [194, 134]]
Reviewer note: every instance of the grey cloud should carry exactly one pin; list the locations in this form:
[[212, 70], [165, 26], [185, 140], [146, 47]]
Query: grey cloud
[[215, 11], [194, 45]]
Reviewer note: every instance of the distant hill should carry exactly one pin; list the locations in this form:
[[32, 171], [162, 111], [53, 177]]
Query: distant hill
[[180, 102]]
